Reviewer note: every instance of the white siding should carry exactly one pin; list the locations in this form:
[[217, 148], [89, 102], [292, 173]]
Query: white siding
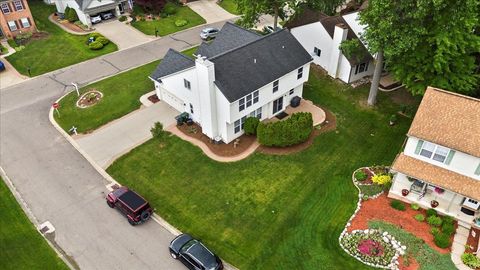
[[314, 35], [354, 23], [461, 163], [358, 76]]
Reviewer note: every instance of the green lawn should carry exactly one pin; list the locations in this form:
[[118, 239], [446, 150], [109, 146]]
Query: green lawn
[[121, 95], [230, 6], [22, 247], [271, 212], [427, 257], [167, 25], [59, 49]]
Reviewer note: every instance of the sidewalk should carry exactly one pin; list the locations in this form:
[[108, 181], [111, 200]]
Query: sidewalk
[[115, 139], [458, 247]]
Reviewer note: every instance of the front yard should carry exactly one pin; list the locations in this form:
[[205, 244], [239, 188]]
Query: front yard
[[271, 212], [56, 50], [230, 6], [167, 25], [21, 245]]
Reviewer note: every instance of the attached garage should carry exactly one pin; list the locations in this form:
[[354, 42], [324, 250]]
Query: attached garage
[[172, 100]]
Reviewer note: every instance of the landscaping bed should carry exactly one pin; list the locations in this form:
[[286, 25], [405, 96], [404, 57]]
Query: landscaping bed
[[71, 26], [221, 149]]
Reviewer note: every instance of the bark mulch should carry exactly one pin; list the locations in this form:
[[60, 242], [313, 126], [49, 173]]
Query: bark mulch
[[222, 149], [473, 241], [70, 25], [329, 125], [153, 98]]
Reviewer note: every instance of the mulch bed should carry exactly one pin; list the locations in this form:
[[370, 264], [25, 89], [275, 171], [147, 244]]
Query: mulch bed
[[329, 125], [367, 181], [222, 149], [153, 98], [473, 241], [69, 25], [380, 209], [85, 100]]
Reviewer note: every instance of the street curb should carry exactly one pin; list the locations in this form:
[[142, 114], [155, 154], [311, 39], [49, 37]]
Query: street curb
[[100, 170], [28, 212]]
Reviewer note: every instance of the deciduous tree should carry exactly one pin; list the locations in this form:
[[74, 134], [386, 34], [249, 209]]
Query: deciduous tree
[[154, 6]]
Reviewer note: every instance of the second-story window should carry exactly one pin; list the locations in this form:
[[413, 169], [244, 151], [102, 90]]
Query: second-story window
[[300, 73], [275, 86], [5, 8], [255, 97], [18, 5], [241, 104], [187, 84], [435, 152], [477, 171], [250, 99]]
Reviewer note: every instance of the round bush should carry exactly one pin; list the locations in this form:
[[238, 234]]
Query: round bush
[[435, 231], [181, 22], [434, 221], [360, 175], [382, 179], [96, 45], [419, 217], [448, 228], [441, 240], [103, 40], [447, 219], [122, 18], [250, 125], [471, 260], [415, 206], [396, 204], [95, 35], [431, 212], [291, 131], [170, 9]]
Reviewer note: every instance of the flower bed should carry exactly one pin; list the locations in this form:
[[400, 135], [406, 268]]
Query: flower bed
[[373, 247], [363, 179], [89, 98]]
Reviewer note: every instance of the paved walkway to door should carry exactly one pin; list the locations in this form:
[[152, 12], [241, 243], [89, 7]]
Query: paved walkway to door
[[210, 11], [123, 35], [115, 139]]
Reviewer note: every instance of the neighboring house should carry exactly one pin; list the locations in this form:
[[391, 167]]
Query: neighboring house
[[15, 18], [239, 74], [321, 36], [88, 8], [441, 158], [49, 1]]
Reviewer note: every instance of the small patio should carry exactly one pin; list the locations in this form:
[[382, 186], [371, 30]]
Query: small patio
[[318, 114]]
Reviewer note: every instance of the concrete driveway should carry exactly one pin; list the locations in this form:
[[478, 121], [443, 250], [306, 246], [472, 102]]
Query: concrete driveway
[[110, 142], [210, 11], [123, 35], [10, 75]]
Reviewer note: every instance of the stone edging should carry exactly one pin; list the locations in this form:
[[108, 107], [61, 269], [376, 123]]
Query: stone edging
[[400, 250], [357, 183]]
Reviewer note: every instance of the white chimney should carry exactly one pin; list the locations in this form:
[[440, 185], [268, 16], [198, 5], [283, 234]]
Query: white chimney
[[339, 35], [205, 70]]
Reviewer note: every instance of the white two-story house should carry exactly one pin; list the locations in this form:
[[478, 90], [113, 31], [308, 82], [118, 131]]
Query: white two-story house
[[321, 35], [87, 8], [441, 158], [239, 74]]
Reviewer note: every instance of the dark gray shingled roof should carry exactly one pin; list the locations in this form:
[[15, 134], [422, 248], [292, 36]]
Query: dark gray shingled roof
[[231, 36], [171, 63], [243, 70]]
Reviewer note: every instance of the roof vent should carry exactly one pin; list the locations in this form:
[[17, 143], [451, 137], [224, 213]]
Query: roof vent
[[255, 60], [283, 46]]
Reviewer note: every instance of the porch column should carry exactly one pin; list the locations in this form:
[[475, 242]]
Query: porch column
[[451, 201]]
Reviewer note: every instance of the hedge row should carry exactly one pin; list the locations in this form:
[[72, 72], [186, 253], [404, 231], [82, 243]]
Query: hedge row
[[293, 130]]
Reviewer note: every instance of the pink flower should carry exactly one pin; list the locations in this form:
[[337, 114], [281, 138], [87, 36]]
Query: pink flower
[[370, 247]]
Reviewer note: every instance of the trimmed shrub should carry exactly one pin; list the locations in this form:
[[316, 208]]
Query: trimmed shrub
[[415, 206], [396, 204], [96, 45], [431, 212], [448, 220], [95, 35], [360, 175], [470, 260], [382, 179], [181, 22], [419, 217], [434, 221], [122, 18], [22, 38], [158, 132], [103, 40], [71, 15], [448, 228], [434, 231], [291, 131], [170, 9], [250, 125], [441, 240], [12, 43]]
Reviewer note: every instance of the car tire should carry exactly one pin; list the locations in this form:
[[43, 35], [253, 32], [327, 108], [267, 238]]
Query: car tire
[[145, 216], [131, 222], [173, 255], [110, 204]]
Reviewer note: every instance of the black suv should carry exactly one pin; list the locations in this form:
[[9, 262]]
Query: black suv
[[129, 203], [193, 254]]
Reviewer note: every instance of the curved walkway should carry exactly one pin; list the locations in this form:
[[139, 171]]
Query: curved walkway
[[174, 130]]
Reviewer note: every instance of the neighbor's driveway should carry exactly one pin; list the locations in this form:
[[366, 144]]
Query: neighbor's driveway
[[10, 75], [210, 11], [121, 34], [108, 143]]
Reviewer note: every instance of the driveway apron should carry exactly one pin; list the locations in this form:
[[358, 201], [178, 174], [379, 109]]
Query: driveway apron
[[210, 11], [123, 35]]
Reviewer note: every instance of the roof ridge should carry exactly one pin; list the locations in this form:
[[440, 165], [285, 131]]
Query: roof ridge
[[239, 27], [247, 44], [452, 93], [181, 54]]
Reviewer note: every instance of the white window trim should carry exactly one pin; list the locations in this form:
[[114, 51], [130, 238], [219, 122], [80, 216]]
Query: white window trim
[[299, 73], [5, 7], [13, 24], [277, 86], [17, 4], [25, 20], [246, 99], [357, 68], [434, 151], [187, 84]]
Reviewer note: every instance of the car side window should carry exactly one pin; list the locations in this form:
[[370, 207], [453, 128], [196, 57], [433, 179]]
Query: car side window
[[192, 261]]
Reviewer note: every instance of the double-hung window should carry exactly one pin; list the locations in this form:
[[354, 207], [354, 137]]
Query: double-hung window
[[275, 86], [361, 68], [241, 104], [12, 25], [256, 113], [291, 92], [187, 84], [191, 108], [255, 97], [317, 51], [435, 152], [5, 8], [18, 5], [300, 73], [247, 101], [238, 125], [25, 22]]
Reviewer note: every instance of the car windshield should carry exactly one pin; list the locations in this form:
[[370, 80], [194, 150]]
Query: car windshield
[[205, 31], [188, 245]]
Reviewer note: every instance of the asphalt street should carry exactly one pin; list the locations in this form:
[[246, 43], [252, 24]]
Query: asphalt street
[[59, 185]]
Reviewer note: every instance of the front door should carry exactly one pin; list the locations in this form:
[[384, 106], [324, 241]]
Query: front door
[[277, 105]]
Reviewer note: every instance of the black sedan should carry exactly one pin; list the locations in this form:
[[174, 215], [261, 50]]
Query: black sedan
[[193, 254]]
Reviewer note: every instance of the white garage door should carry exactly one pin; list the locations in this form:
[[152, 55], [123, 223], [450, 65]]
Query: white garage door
[[172, 100]]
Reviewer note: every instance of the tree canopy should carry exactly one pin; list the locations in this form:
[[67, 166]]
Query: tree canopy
[[426, 42], [151, 5]]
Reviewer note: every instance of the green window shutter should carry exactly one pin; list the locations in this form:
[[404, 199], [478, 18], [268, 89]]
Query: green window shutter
[[449, 157], [419, 147], [477, 171]]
